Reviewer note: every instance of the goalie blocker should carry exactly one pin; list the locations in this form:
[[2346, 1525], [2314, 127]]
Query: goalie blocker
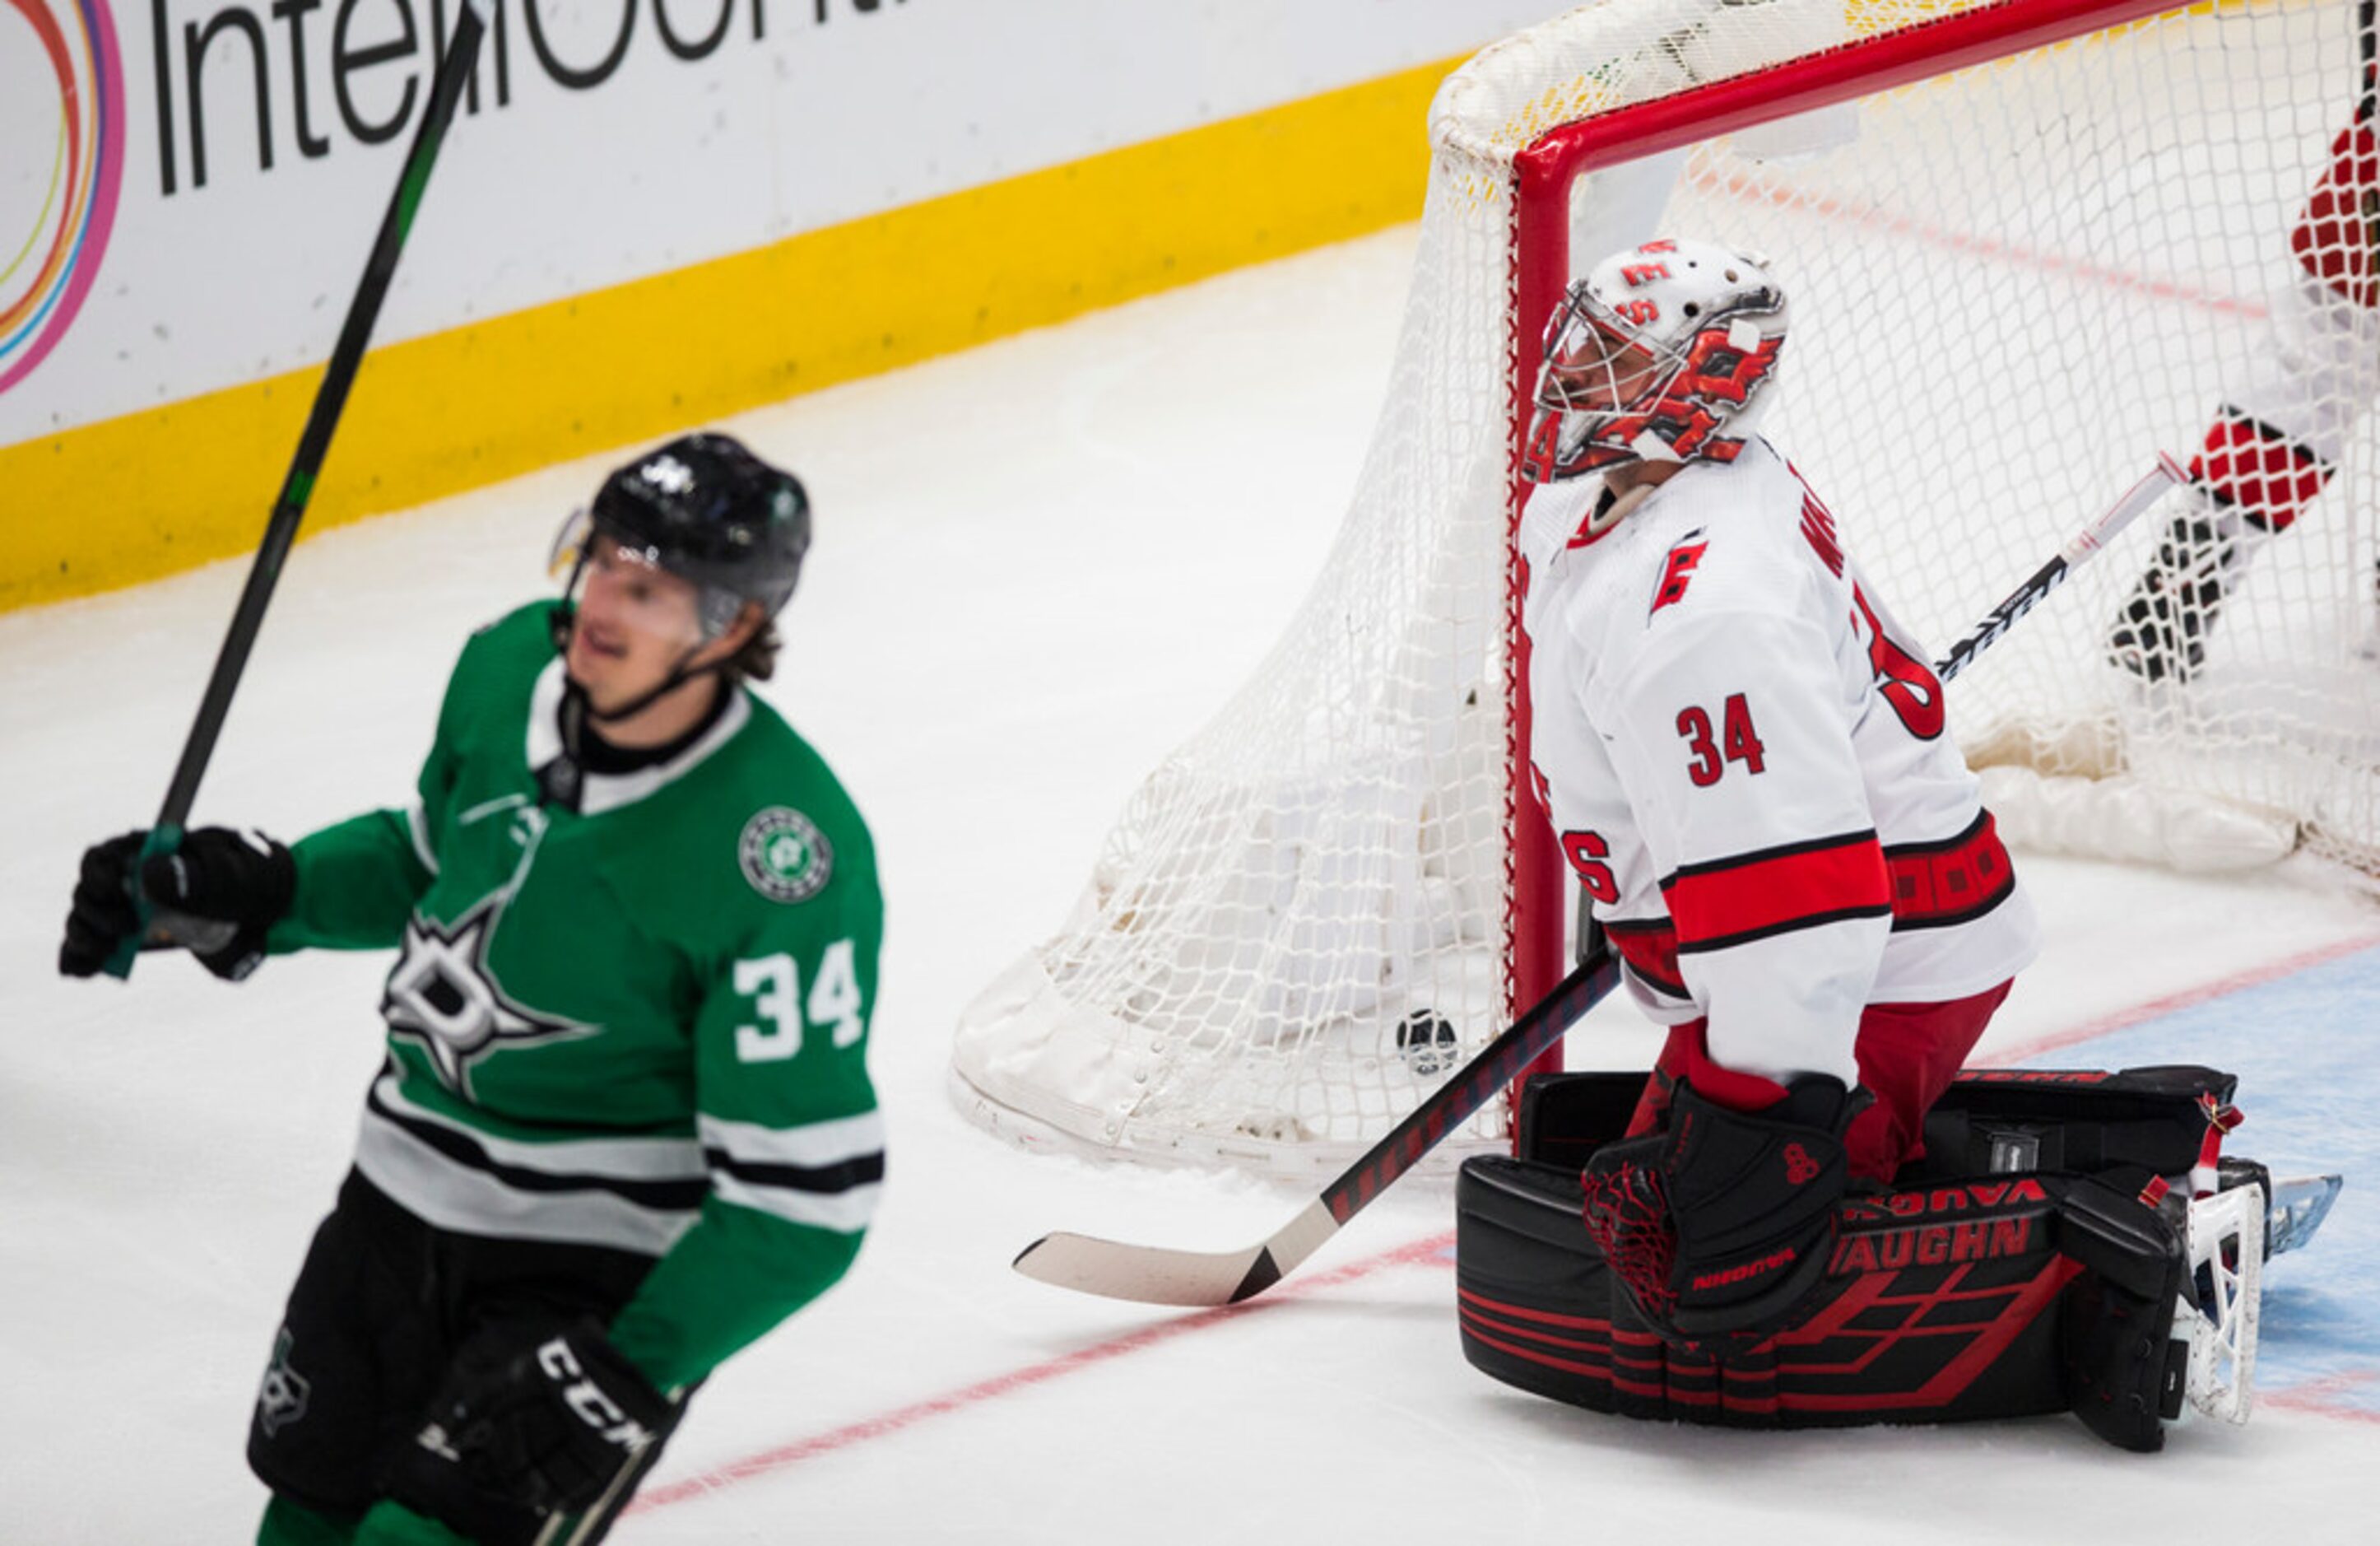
[[2042, 1257]]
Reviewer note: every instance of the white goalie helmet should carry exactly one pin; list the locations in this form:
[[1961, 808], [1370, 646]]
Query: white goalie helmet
[[1665, 352]]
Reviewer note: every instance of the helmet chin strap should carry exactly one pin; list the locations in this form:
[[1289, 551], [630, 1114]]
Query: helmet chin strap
[[679, 674], [577, 709]]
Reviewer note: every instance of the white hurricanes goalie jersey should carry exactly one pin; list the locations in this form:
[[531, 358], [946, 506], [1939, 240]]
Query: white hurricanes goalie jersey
[[1749, 770]]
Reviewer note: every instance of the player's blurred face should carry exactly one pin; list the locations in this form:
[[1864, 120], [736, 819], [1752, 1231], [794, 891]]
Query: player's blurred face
[[635, 623]]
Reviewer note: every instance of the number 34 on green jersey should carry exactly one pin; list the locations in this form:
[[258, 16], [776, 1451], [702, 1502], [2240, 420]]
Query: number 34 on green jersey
[[775, 985]]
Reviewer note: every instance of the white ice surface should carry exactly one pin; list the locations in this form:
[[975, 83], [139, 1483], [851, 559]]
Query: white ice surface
[[1038, 565]]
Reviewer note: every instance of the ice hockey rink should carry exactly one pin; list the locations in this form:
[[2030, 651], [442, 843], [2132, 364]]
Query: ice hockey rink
[[1038, 565]]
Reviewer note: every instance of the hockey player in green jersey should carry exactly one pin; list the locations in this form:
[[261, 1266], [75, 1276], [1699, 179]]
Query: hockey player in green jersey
[[625, 1127]]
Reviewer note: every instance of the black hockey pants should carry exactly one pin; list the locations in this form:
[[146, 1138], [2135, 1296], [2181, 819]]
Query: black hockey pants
[[380, 1310]]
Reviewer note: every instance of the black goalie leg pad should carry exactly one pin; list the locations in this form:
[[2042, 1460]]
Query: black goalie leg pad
[[2126, 1370], [2015, 1271], [1939, 1305]]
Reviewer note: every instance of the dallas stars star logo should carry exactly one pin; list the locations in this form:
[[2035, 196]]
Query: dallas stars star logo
[[443, 997]]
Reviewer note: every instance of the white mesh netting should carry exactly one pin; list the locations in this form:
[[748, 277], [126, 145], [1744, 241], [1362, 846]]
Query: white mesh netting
[[2011, 289], [2011, 286]]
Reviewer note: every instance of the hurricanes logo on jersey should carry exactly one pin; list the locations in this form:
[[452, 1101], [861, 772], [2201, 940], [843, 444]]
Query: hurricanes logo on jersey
[[443, 998], [784, 855]]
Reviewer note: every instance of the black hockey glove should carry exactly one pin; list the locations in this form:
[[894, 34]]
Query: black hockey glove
[[102, 916], [549, 1421], [217, 896], [1720, 1226]]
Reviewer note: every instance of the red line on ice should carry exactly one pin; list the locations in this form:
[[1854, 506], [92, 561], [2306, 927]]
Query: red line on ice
[[2321, 1396], [1019, 1379], [2124, 1020]]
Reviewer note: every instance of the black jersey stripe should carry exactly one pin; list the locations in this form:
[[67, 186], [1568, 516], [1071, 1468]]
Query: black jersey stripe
[[860, 1170], [1751, 857], [1787, 926], [459, 1148], [1991, 900], [1958, 839]]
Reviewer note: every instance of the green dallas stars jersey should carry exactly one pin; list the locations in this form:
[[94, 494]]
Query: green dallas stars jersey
[[638, 1025]]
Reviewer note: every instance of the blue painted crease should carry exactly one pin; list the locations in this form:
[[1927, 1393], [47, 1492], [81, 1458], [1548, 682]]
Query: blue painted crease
[[2306, 1049]]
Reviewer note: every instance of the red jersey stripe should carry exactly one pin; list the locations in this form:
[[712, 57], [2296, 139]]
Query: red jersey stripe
[[1937, 884], [1778, 889], [1650, 945]]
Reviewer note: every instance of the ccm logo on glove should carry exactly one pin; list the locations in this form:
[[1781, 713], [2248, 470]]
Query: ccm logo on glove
[[586, 1398]]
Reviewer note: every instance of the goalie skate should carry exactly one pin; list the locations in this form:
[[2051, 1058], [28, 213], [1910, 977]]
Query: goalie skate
[[2222, 1299]]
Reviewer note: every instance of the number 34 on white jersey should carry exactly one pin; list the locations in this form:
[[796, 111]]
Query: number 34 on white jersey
[[1749, 768]]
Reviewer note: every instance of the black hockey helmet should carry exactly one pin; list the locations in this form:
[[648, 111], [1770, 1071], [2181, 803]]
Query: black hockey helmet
[[705, 509]]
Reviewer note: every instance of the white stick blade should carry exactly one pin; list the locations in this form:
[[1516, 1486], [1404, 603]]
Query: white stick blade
[[1151, 1274], [1155, 1275]]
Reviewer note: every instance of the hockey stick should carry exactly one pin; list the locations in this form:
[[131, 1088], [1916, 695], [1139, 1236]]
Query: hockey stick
[[2050, 576], [595, 1524], [330, 399], [1158, 1275]]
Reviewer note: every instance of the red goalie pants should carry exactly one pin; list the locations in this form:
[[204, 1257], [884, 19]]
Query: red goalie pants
[[1908, 1054]]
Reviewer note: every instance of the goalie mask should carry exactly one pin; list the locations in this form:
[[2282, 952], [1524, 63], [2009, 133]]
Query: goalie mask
[[1663, 353]]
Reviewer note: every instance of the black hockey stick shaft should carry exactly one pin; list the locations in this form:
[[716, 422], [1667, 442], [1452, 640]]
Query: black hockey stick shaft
[[594, 1526], [1474, 1085], [2050, 576], [313, 445], [1155, 1274]]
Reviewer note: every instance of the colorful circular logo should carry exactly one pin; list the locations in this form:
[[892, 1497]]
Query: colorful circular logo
[[54, 225]]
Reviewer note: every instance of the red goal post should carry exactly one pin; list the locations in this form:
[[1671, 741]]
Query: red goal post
[[1543, 177], [2029, 244]]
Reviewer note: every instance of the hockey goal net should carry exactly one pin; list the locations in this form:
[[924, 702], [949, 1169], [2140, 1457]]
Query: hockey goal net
[[2027, 246]]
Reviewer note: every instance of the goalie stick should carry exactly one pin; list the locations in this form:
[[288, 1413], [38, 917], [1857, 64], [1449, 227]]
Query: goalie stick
[[2050, 576], [330, 399], [1160, 1275], [1156, 1275]]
